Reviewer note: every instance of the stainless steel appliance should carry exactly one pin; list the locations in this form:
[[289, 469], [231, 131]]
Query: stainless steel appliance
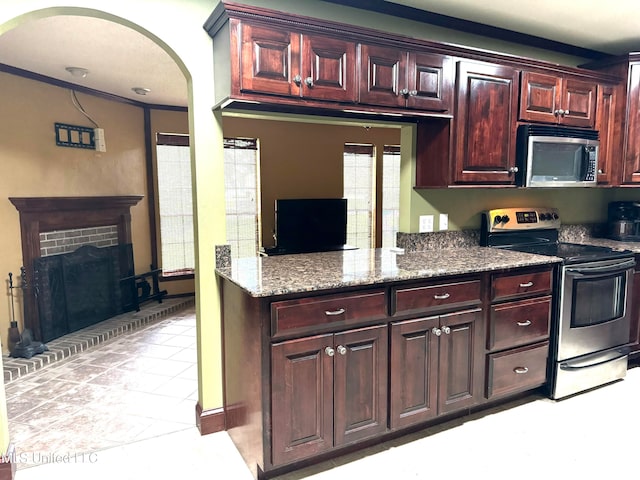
[[554, 156], [624, 221], [592, 305]]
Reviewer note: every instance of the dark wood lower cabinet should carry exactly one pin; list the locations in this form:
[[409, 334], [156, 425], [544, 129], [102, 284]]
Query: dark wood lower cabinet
[[436, 366], [328, 391], [312, 376]]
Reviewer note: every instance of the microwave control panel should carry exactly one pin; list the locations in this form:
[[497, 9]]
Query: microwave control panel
[[513, 219]]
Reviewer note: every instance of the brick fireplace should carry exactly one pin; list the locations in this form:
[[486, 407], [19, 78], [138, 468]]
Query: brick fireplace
[[44, 218]]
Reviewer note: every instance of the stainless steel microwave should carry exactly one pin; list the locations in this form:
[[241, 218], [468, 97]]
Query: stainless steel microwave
[[553, 156]]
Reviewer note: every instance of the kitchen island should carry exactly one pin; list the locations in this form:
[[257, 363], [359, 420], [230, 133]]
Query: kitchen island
[[329, 352]]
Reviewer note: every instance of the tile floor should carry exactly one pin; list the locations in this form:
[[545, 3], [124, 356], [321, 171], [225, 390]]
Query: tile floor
[[108, 422], [135, 386]]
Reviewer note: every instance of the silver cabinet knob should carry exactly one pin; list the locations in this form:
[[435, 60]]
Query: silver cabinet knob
[[342, 350], [436, 331], [413, 93], [446, 330], [526, 285], [404, 92], [566, 112], [526, 323], [297, 80], [513, 169], [520, 370], [600, 171], [308, 82], [330, 351]]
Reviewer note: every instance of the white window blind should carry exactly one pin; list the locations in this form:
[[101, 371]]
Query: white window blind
[[359, 182], [390, 194], [175, 205]]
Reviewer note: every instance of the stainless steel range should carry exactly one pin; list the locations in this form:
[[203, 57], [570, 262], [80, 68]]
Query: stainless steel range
[[593, 304]]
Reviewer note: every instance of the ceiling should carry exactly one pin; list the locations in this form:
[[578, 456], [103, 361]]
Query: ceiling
[[119, 58]]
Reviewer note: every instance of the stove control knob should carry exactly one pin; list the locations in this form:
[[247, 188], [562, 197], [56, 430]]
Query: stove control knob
[[544, 216], [556, 216], [497, 219], [505, 219]]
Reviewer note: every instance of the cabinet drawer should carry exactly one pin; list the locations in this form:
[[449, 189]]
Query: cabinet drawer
[[435, 297], [289, 316], [517, 370], [507, 286], [518, 323]]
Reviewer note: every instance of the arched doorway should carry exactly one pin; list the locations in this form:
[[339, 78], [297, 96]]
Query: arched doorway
[[195, 91]]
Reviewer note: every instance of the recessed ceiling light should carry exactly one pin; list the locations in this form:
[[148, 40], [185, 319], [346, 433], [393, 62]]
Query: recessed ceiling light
[[141, 90], [77, 71]]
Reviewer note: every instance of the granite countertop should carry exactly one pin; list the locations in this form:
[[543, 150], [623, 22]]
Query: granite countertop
[[282, 274]]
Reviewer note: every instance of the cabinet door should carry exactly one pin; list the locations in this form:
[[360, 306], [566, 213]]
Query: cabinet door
[[485, 125], [461, 373], [608, 125], [540, 97], [632, 142], [301, 398], [382, 76], [430, 82], [360, 384], [328, 68], [578, 103], [269, 59], [414, 372]]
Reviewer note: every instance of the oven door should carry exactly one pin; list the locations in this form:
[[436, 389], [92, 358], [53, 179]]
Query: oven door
[[595, 307]]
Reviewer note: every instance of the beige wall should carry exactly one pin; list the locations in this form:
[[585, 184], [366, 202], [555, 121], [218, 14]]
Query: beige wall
[[36, 167]]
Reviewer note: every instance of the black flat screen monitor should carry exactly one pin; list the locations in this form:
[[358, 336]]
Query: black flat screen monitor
[[311, 224]]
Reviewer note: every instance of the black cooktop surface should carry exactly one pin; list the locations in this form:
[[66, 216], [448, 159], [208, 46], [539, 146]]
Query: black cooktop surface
[[573, 252]]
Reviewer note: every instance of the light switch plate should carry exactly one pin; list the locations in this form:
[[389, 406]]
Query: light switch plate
[[443, 224], [426, 223]]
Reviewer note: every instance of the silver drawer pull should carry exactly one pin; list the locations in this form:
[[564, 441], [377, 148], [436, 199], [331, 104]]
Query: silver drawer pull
[[444, 296], [331, 313], [524, 324], [526, 285], [520, 370]]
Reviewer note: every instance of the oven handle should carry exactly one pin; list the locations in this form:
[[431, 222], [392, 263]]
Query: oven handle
[[621, 352], [585, 271]]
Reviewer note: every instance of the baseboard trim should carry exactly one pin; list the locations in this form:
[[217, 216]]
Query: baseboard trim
[[209, 421], [8, 464]]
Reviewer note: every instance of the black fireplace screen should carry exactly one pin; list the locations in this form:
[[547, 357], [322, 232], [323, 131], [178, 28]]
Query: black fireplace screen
[[81, 288]]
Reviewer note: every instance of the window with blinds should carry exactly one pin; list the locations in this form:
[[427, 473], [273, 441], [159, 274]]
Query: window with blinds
[[241, 185], [390, 194], [175, 204], [175, 200], [359, 190]]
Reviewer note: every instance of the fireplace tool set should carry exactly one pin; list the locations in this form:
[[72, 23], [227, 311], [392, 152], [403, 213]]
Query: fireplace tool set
[[21, 345]]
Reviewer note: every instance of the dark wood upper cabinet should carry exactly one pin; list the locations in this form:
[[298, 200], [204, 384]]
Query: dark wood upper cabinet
[[485, 123], [383, 75], [399, 78], [610, 129], [328, 69], [269, 61], [631, 164], [557, 99]]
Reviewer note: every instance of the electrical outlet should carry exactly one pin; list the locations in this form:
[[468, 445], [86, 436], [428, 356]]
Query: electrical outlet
[[426, 223], [444, 221]]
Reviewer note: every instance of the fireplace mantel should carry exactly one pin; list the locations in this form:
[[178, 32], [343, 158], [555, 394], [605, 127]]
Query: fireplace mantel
[[45, 214]]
